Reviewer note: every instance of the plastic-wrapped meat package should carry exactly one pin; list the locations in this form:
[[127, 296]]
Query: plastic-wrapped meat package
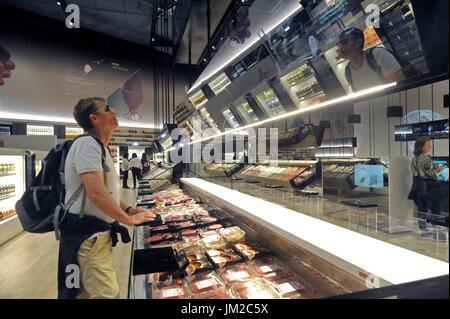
[[288, 288], [212, 240], [232, 234], [270, 267], [205, 282], [202, 213], [223, 257], [221, 293], [183, 225], [198, 265], [250, 250], [237, 274], [256, 289], [207, 220], [162, 237], [176, 289], [191, 232]]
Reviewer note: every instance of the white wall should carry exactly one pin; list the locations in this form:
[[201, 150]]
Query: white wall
[[375, 136]]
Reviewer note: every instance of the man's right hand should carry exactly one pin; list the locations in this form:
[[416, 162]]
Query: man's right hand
[[142, 217]]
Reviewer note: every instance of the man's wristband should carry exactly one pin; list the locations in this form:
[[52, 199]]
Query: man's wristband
[[129, 208]]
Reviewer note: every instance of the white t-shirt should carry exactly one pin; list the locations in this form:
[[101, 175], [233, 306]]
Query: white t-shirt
[[85, 155], [125, 165], [365, 77], [135, 162]]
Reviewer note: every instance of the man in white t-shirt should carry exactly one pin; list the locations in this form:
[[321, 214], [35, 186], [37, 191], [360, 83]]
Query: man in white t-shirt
[[100, 204], [125, 168], [369, 68]]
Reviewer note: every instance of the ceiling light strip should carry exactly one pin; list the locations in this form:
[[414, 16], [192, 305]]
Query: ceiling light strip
[[341, 99]]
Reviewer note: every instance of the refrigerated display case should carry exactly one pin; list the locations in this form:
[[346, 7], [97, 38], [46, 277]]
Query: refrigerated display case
[[40, 130], [208, 119], [72, 132], [289, 174], [219, 83], [198, 99], [339, 174], [270, 103], [219, 243], [223, 169], [246, 112], [230, 118], [12, 186], [303, 86]]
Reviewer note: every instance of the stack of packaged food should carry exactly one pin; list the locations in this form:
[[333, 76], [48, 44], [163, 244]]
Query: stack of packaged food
[[222, 262]]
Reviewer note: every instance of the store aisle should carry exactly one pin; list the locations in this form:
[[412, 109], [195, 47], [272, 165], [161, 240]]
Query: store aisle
[[28, 263]]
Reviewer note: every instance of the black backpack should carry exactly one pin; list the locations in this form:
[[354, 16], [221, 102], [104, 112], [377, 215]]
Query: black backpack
[[408, 69], [41, 208]]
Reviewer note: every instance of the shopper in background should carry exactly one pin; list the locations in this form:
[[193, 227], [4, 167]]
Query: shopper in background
[[90, 228], [145, 164], [426, 190], [125, 169], [369, 68], [135, 165]]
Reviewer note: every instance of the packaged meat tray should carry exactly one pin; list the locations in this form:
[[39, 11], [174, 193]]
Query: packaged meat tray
[[270, 267], [249, 250], [205, 282], [172, 289], [237, 274], [222, 293], [212, 239], [223, 257], [232, 234], [190, 232], [199, 265], [288, 288], [256, 289], [163, 237]]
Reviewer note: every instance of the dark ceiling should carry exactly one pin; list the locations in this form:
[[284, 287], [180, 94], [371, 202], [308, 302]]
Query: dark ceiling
[[140, 21]]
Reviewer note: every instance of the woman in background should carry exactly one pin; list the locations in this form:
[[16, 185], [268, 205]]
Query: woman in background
[[125, 168], [426, 191]]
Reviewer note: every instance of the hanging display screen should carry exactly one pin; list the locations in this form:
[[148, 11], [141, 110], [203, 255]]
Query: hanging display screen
[[441, 166], [433, 130], [369, 175]]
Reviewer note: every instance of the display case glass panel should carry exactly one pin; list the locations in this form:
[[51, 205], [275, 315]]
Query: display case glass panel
[[303, 87], [231, 119], [270, 103], [198, 99], [220, 83], [208, 119], [246, 112]]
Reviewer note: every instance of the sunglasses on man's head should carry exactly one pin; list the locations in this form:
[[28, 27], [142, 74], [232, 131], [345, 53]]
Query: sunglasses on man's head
[[107, 109]]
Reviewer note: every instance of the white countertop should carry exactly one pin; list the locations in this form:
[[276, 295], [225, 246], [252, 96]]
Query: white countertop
[[348, 250]]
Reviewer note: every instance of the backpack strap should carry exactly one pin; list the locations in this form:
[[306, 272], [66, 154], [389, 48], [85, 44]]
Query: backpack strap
[[372, 62], [348, 74]]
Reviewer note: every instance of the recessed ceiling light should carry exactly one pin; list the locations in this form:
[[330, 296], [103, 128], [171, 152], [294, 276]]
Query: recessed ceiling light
[[58, 3]]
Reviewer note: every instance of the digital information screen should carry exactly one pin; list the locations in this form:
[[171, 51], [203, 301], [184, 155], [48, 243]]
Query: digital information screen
[[442, 175], [369, 175]]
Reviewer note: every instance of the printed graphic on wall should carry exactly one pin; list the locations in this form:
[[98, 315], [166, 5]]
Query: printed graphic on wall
[[128, 99], [6, 65]]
